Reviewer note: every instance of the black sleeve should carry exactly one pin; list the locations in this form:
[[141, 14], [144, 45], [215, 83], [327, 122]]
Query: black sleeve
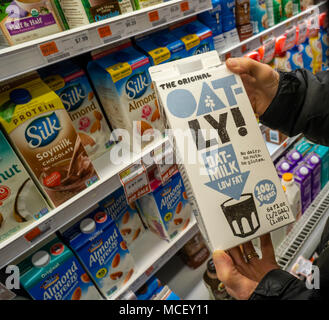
[[281, 285], [301, 105]]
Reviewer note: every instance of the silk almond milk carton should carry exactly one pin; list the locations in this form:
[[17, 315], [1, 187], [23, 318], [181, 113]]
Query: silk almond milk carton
[[230, 172], [43, 134]]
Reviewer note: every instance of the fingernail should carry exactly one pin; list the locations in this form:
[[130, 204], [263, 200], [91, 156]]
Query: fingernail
[[231, 62], [217, 255]]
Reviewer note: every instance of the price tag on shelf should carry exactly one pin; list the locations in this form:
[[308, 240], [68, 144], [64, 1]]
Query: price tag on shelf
[[290, 38], [202, 4], [133, 25], [32, 235], [174, 12], [302, 33], [184, 6], [268, 50], [135, 182], [56, 50], [111, 32], [158, 17]]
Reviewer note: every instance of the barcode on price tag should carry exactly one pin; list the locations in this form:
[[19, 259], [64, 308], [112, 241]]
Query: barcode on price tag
[[135, 182]]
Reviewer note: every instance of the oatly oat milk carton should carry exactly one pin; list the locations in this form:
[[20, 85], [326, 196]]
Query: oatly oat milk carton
[[71, 84], [20, 200], [229, 169], [43, 134], [98, 243], [54, 273]]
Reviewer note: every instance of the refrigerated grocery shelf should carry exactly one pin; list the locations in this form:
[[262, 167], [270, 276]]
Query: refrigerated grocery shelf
[[109, 181], [28, 56], [255, 41]]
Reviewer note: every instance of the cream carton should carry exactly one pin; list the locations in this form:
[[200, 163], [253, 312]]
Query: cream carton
[[43, 134], [71, 84], [25, 20], [230, 171], [20, 201], [121, 79]]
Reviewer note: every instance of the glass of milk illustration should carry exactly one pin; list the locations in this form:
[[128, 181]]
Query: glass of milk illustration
[[241, 215]]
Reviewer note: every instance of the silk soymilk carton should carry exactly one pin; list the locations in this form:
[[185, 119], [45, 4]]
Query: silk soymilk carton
[[120, 76], [230, 171], [166, 209], [125, 215], [71, 84], [54, 273], [100, 247]]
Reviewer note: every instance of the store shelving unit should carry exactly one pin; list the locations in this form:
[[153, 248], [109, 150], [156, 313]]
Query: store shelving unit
[[276, 150], [39, 53]]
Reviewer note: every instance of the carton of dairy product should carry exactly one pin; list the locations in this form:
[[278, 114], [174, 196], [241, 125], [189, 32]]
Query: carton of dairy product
[[43, 134], [195, 35], [313, 162], [227, 159], [54, 273], [123, 84], [161, 47], [283, 166], [303, 177], [323, 153], [166, 209], [20, 201], [25, 20], [125, 215], [71, 84], [303, 146], [97, 242], [293, 157]]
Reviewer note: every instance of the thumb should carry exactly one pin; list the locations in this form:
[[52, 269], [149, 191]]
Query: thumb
[[244, 65]]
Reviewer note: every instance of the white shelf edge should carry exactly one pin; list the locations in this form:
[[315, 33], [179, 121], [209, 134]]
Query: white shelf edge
[[17, 245]]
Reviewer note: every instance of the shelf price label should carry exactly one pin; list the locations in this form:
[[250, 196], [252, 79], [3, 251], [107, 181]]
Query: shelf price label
[[111, 32], [35, 233], [154, 16], [135, 181], [184, 6]]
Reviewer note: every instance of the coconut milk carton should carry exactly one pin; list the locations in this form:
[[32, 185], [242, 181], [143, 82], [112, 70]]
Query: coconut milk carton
[[43, 134], [123, 84], [125, 215], [54, 273], [20, 201], [71, 84], [100, 247], [225, 158], [166, 209]]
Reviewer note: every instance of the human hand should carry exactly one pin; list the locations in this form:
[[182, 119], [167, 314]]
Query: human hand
[[240, 274], [260, 81]]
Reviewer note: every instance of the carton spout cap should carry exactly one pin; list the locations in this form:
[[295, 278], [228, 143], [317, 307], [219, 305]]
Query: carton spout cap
[[40, 259], [20, 96]]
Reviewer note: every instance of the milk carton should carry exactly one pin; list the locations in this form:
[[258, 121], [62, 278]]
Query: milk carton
[[25, 20], [97, 242], [166, 210], [161, 46], [125, 215], [231, 174], [283, 166], [303, 177], [123, 84], [293, 157], [196, 36], [54, 273], [313, 162], [323, 153], [20, 201], [303, 146], [43, 134], [71, 84]]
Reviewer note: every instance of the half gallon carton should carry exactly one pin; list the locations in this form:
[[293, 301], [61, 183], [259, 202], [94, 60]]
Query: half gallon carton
[[71, 84], [20, 201], [166, 209], [313, 162], [125, 215], [230, 172], [25, 20], [97, 242], [123, 84], [54, 273], [43, 134]]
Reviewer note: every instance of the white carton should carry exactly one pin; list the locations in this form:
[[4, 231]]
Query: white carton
[[232, 176]]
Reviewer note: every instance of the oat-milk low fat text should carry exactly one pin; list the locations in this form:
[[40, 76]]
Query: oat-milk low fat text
[[232, 177], [42, 132]]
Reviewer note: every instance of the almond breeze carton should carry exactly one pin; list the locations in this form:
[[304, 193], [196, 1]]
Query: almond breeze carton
[[120, 76], [54, 273], [125, 215], [230, 171], [166, 209], [98, 243]]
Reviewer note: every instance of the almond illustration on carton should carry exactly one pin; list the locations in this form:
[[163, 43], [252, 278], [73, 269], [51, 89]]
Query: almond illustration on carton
[[125, 232], [86, 140], [1, 219], [123, 245], [95, 126], [143, 126], [178, 221], [185, 195], [90, 95], [125, 217], [155, 115], [179, 207], [116, 275], [186, 223], [128, 276], [136, 234], [85, 278], [77, 294], [116, 260], [98, 115], [132, 205]]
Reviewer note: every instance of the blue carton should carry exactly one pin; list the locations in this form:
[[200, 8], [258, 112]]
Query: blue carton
[[100, 247]]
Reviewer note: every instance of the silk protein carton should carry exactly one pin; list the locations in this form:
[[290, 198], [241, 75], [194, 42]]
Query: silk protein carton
[[231, 174]]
